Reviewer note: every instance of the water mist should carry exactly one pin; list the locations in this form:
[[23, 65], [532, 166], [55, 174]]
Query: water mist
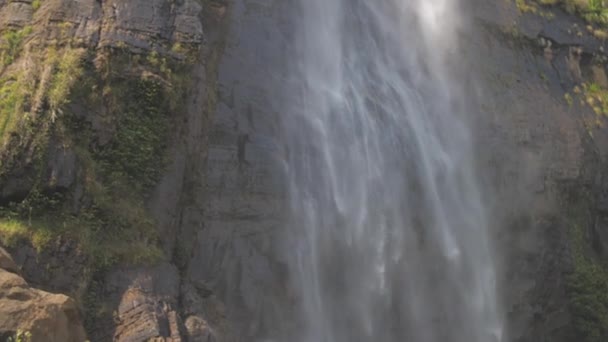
[[388, 234]]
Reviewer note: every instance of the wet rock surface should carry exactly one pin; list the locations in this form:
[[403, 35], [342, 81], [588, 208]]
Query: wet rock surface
[[543, 156], [236, 253]]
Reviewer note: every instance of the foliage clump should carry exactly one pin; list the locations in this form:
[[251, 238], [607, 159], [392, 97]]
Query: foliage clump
[[36, 4], [594, 96], [593, 11], [136, 153], [11, 44], [13, 93], [588, 293], [33, 95], [20, 336]]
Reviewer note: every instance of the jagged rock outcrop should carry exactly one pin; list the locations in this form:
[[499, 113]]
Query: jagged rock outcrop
[[148, 303], [43, 316]]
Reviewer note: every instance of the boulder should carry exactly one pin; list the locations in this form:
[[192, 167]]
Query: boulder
[[45, 316]]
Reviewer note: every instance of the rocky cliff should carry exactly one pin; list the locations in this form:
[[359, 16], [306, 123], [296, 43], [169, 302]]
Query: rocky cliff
[[543, 144], [105, 110], [139, 167]]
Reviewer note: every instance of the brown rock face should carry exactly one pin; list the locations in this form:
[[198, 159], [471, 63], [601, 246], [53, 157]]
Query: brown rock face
[[47, 317]]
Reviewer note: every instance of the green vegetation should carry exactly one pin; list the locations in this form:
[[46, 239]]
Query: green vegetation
[[12, 98], [108, 231], [140, 107], [524, 6], [588, 292], [594, 96], [20, 336], [67, 69], [13, 231], [114, 226], [136, 153], [569, 99], [11, 43], [531, 6], [113, 109], [26, 92], [188, 51], [139, 93], [36, 4], [594, 11]]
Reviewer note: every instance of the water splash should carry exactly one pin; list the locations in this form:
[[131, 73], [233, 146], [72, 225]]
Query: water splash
[[388, 239]]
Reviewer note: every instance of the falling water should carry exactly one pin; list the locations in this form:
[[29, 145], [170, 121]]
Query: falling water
[[388, 239]]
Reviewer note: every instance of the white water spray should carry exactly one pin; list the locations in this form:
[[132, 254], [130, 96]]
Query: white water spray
[[388, 240]]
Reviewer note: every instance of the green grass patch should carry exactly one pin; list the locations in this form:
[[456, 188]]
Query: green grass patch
[[108, 233], [12, 99], [11, 44], [15, 231], [40, 92], [67, 70]]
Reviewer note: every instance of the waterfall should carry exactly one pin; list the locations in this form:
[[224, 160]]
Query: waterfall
[[388, 234]]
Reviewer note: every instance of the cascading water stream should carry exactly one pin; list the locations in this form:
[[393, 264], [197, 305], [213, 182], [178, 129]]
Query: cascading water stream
[[388, 239]]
